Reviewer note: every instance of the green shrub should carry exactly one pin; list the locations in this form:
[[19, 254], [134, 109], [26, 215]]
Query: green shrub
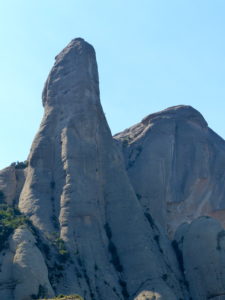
[[63, 254], [20, 164], [10, 219]]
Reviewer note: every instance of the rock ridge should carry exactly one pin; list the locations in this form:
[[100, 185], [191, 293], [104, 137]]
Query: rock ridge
[[178, 112]]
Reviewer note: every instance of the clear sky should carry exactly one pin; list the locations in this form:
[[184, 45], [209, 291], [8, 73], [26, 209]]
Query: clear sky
[[151, 54]]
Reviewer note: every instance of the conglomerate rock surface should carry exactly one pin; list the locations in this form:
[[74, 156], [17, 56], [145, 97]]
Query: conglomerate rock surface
[[98, 209]]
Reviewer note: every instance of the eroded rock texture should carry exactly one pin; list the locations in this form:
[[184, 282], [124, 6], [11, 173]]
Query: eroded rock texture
[[11, 184], [176, 165], [202, 248], [97, 209], [23, 269]]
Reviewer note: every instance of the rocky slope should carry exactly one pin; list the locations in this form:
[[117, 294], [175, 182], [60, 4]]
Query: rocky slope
[[95, 211]]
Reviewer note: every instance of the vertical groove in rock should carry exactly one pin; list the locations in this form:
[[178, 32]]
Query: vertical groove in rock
[[76, 179], [100, 206]]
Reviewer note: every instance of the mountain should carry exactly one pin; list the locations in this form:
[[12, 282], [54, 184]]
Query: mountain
[[176, 165], [107, 217]]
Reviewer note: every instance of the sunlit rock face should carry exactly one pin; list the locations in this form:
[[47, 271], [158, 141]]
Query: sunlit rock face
[[23, 269], [176, 165], [144, 295], [95, 210], [77, 186], [11, 183]]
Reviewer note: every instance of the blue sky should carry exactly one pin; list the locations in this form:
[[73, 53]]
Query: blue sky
[[151, 54]]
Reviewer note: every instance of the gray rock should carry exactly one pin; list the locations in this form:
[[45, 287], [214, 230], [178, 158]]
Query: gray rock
[[77, 185], [23, 269], [100, 207], [176, 165], [202, 244], [11, 184]]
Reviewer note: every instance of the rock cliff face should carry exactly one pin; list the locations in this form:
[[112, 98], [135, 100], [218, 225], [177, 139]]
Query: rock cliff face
[[11, 184], [202, 246], [23, 270], [176, 165], [95, 211]]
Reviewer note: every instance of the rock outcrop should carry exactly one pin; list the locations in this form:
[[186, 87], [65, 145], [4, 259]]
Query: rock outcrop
[[11, 183], [24, 273], [77, 186], [176, 165], [97, 209], [202, 246]]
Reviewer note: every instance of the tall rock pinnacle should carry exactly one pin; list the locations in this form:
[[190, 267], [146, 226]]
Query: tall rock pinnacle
[[94, 210], [77, 185], [73, 77], [71, 102]]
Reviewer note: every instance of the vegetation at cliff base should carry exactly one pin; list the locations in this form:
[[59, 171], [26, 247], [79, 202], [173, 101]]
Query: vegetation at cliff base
[[10, 219]]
